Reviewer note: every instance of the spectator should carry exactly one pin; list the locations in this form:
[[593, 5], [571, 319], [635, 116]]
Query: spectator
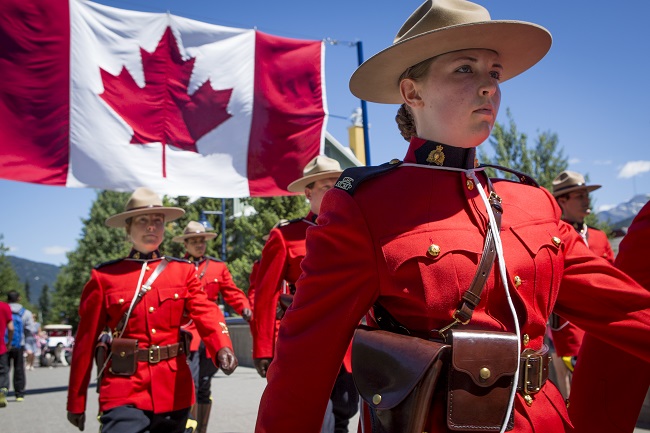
[[23, 324], [31, 345], [6, 326]]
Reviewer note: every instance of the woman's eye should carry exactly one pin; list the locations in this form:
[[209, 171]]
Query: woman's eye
[[464, 69], [496, 75]]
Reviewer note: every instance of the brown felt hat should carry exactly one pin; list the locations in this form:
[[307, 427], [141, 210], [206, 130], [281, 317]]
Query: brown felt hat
[[194, 230], [569, 181], [320, 167], [143, 201], [442, 26]]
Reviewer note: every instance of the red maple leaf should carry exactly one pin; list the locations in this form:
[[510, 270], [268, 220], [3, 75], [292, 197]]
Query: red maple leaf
[[162, 111]]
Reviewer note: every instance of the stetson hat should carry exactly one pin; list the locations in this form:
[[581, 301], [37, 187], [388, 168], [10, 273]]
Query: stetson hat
[[193, 230], [143, 201], [442, 26], [569, 181], [320, 167]]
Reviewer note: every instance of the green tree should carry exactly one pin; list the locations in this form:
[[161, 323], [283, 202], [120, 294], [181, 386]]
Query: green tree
[[8, 278], [98, 244], [543, 161], [28, 294], [44, 305]]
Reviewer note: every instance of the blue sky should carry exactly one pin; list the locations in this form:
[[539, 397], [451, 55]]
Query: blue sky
[[592, 89]]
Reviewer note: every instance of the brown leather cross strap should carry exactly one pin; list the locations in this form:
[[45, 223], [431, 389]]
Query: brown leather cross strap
[[154, 354], [472, 295]]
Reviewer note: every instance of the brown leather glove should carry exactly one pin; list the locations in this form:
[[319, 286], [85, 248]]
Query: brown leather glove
[[262, 365], [247, 314], [78, 420], [227, 360]]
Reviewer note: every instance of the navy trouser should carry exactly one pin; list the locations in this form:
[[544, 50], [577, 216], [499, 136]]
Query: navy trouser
[[17, 361], [345, 401], [4, 371], [129, 419]]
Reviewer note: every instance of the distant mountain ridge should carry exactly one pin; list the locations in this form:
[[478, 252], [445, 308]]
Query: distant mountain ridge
[[38, 274], [620, 214]]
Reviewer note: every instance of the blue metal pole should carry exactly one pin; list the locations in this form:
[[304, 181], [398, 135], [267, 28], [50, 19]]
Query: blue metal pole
[[364, 111], [223, 229]]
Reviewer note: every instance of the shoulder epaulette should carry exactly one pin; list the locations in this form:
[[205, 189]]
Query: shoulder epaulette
[[214, 259], [352, 177], [286, 223], [522, 177], [110, 262], [176, 259]]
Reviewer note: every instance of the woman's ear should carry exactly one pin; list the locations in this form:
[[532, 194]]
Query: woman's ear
[[410, 92]]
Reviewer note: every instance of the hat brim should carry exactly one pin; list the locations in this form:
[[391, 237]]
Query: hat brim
[[564, 191], [300, 184], [119, 220], [206, 235], [519, 44]]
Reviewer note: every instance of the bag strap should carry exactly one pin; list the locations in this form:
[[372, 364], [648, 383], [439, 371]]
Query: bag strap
[[207, 263], [142, 290]]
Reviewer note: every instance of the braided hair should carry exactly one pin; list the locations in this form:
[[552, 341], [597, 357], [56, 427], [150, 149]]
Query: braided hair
[[404, 117]]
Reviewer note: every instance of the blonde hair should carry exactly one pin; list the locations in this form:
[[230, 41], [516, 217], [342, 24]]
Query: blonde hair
[[404, 117]]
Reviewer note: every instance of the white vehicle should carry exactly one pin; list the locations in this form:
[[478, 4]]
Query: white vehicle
[[58, 348]]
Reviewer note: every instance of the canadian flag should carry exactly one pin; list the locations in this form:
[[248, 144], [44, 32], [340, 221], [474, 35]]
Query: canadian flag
[[94, 96]]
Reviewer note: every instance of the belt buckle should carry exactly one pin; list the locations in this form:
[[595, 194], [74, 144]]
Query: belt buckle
[[540, 376], [154, 354]]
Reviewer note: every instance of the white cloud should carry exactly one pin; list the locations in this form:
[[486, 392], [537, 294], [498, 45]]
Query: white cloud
[[634, 168], [12, 249], [574, 161], [55, 250], [603, 162]]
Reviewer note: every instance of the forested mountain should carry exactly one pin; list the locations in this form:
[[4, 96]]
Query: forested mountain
[[36, 274]]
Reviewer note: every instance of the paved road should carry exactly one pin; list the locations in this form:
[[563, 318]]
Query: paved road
[[234, 410]]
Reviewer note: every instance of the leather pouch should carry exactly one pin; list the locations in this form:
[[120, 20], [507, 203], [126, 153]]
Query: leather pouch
[[396, 376], [185, 341], [481, 377], [124, 360], [102, 348]]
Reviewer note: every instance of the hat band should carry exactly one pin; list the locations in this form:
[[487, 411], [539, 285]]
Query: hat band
[[570, 186], [143, 207]]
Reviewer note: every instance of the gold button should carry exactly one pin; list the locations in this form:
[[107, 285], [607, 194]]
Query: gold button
[[376, 399], [393, 162], [148, 268], [151, 309], [216, 280], [517, 281], [153, 331], [121, 301], [470, 184], [484, 373], [122, 354], [175, 295], [529, 400], [556, 241], [433, 250], [526, 339]]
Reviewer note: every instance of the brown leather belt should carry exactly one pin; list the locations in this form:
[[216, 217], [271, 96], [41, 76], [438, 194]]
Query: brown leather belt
[[533, 370], [154, 354]]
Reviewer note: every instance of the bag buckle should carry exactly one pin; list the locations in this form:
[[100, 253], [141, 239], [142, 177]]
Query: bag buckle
[[154, 354], [442, 331], [528, 387]]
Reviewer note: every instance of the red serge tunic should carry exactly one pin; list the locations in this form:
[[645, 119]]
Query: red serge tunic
[[280, 262], [608, 385], [567, 337], [162, 387], [216, 278], [372, 246]]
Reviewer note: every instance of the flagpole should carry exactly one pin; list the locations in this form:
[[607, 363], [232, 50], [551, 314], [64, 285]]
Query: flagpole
[[364, 110]]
